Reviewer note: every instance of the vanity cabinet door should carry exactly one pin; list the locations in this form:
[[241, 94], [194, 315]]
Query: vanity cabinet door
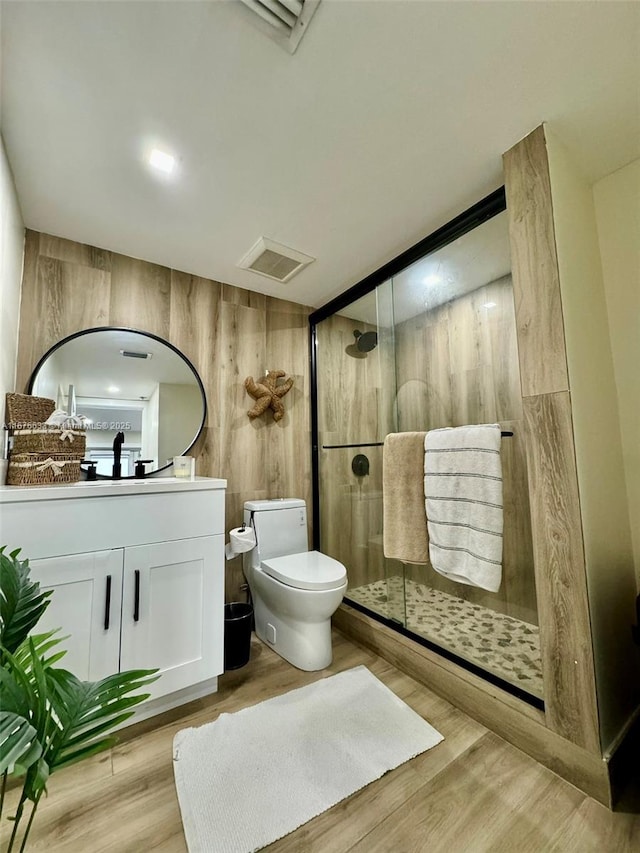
[[173, 611], [86, 605]]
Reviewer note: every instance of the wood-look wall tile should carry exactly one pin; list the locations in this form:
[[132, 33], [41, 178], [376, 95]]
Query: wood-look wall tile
[[74, 253], [355, 405], [465, 352], [244, 298], [58, 299], [567, 654], [473, 396], [140, 295], [73, 298], [207, 453], [283, 306], [504, 351], [536, 284], [226, 339], [287, 342], [517, 562], [194, 327], [351, 513], [30, 345]]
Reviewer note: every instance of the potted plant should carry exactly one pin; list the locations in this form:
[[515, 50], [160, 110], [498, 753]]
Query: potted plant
[[49, 719]]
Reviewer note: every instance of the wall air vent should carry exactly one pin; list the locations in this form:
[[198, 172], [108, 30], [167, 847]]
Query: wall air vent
[[125, 353], [285, 21], [274, 260]]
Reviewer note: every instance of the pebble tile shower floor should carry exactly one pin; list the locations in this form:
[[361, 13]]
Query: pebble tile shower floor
[[500, 644]]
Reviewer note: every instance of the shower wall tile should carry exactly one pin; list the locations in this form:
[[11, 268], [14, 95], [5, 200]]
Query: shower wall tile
[[503, 348], [351, 513], [228, 333], [536, 282], [458, 364], [355, 391], [559, 560]]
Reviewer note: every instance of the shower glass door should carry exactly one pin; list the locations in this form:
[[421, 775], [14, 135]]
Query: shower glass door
[[433, 345], [355, 365]]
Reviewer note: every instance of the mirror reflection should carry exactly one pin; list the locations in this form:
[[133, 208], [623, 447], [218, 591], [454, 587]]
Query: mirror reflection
[[125, 381]]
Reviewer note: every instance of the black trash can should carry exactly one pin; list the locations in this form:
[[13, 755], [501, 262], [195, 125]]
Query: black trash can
[[237, 634]]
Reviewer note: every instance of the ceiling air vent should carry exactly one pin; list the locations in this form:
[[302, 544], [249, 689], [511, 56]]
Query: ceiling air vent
[[127, 353], [286, 20], [274, 260]]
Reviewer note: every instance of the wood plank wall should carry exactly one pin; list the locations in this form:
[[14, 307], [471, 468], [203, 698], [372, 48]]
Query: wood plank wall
[[355, 404], [567, 651], [458, 364], [453, 365], [227, 332]]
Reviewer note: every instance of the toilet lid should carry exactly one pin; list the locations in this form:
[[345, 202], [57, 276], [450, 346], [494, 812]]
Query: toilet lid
[[308, 570]]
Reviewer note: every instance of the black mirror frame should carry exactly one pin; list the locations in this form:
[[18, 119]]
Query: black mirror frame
[[187, 361]]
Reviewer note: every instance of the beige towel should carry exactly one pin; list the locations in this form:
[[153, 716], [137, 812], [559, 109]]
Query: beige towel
[[405, 520]]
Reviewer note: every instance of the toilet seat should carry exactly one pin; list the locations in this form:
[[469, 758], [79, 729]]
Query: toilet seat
[[307, 570]]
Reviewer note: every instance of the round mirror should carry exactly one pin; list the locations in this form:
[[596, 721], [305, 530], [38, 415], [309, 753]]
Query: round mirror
[[125, 381]]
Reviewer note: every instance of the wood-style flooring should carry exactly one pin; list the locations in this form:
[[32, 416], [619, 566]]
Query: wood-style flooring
[[473, 793]]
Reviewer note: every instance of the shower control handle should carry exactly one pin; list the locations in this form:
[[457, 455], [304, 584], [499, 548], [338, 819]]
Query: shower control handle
[[360, 465]]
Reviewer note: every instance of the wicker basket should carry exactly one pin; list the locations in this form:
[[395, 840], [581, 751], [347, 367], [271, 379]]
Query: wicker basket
[[50, 440], [41, 469], [23, 409]]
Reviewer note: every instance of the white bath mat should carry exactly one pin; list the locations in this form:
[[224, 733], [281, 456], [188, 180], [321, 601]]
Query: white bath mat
[[249, 778]]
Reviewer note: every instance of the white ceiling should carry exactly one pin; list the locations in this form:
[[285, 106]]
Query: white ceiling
[[390, 119]]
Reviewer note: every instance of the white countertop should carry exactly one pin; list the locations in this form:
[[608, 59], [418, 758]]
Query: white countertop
[[107, 488]]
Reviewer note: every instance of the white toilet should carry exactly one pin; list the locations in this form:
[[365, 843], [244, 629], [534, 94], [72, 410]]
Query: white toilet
[[295, 591]]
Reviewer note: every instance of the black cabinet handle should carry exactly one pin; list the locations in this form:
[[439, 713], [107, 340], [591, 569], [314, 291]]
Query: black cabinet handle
[[107, 604], [136, 602]]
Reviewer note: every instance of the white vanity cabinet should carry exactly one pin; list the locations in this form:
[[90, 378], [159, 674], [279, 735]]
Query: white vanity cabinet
[[149, 594], [170, 595], [86, 606]]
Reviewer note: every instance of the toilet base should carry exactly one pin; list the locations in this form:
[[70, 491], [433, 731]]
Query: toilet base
[[305, 645]]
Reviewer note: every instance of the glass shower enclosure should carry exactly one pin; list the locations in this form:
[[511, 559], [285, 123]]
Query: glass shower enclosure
[[427, 342]]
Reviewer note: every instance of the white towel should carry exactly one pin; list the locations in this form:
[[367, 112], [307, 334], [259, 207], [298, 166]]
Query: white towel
[[241, 539], [463, 500]]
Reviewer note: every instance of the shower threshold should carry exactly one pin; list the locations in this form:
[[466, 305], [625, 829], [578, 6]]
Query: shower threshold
[[502, 649]]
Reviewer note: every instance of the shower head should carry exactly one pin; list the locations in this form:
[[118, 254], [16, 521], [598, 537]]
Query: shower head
[[365, 341]]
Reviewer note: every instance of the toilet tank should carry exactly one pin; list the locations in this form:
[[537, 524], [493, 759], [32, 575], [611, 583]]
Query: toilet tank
[[280, 525]]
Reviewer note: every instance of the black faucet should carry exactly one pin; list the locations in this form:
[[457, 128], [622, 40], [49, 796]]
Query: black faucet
[[118, 441]]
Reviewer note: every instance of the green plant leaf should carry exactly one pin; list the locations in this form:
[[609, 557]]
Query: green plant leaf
[[15, 696], [22, 603], [87, 710], [18, 742], [43, 643]]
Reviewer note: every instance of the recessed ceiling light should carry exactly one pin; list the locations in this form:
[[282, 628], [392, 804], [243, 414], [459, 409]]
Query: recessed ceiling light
[[489, 305], [162, 161], [112, 389]]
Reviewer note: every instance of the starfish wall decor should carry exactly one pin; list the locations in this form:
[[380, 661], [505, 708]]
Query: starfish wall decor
[[268, 394]]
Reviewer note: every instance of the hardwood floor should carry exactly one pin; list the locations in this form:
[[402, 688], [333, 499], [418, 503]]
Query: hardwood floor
[[470, 794]]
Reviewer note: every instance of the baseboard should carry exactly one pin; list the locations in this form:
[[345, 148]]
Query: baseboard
[[514, 720]]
